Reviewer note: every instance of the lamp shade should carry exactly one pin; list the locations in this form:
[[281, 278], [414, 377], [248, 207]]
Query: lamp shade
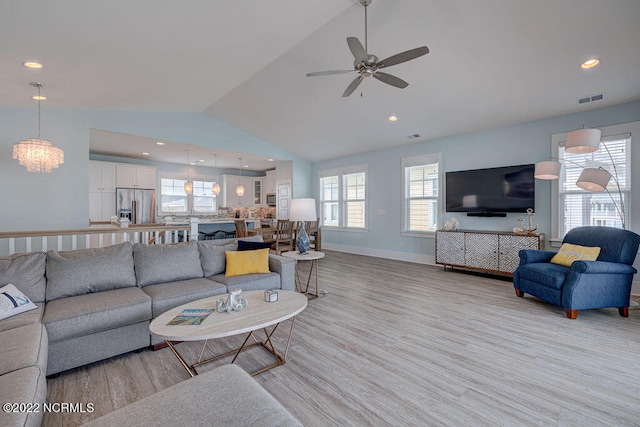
[[303, 210], [549, 169], [188, 187], [215, 189], [592, 179], [240, 190], [583, 141]]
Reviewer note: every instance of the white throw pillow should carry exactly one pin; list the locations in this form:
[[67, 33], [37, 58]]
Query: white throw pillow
[[13, 302]]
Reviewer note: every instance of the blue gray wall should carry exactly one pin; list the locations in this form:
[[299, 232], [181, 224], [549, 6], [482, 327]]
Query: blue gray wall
[[59, 200], [518, 144]]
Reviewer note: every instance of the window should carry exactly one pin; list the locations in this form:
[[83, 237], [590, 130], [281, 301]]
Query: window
[[577, 207], [173, 198], [421, 193], [343, 197]]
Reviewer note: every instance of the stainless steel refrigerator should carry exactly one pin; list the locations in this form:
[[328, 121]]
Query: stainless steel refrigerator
[[137, 205]]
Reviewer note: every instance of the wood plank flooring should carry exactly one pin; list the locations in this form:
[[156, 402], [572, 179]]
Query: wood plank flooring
[[397, 343]]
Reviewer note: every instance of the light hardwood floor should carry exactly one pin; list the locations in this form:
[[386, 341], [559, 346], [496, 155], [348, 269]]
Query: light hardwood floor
[[396, 343]]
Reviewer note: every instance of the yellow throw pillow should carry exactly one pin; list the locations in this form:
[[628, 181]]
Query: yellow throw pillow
[[247, 262], [569, 253]]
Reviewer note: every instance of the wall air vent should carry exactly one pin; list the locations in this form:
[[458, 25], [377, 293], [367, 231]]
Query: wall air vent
[[590, 98], [414, 136]]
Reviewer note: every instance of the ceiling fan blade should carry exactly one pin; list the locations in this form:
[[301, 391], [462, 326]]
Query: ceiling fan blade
[[328, 73], [356, 49], [405, 56], [352, 86], [390, 80]]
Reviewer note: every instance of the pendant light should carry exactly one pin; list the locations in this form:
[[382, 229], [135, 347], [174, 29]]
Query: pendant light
[[240, 187], [188, 186], [215, 189], [36, 154]]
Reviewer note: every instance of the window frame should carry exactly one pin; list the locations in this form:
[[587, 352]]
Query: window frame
[[190, 197], [413, 161], [557, 150], [342, 200]]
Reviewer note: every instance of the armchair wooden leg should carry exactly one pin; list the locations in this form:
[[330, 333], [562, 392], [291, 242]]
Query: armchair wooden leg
[[571, 314], [624, 311], [519, 293]]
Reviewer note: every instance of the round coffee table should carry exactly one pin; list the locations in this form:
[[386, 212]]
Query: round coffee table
[[257, 315]]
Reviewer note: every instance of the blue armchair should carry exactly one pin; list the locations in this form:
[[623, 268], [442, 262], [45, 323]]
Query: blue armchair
[[585, 285]]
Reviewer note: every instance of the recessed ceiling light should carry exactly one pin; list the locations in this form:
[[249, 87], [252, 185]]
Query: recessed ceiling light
[[39, 97], [144, 153], [159, 143], [192, 163], [590, 63], [32, 64], [392, 118], [270, 160], [245, 166], [202, 160]]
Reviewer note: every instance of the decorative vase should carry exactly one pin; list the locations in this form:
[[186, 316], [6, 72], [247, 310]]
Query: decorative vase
[[302, 242]]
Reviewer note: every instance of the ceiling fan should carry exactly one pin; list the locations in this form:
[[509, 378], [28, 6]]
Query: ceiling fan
[[367, 65]]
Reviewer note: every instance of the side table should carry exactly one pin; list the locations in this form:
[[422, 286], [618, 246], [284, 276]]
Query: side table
[[312, 256]]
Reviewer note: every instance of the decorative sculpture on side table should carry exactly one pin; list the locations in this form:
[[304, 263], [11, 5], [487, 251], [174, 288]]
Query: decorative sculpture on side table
[[234, 302]]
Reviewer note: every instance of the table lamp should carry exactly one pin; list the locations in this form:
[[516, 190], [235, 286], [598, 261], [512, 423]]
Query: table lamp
[[302, 210]]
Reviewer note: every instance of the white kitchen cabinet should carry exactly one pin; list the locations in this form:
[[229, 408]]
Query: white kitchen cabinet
[[102, 177], [258, 192], [270, 182], [134, 176], [102, 190], [230, 198], [102, 205]]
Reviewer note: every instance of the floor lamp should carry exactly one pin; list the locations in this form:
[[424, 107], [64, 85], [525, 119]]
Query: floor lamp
[[591, 179]]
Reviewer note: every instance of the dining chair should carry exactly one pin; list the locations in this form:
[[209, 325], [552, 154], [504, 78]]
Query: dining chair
[[241, 228], [283, 236]]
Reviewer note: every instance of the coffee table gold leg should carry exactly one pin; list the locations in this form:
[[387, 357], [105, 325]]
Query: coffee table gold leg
[[182, 361], [267, 345]]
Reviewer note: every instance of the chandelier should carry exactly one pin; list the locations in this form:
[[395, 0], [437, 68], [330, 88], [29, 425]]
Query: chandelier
[[36, 154]]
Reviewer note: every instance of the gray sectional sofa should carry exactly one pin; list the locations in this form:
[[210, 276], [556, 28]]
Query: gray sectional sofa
[[97, 303]]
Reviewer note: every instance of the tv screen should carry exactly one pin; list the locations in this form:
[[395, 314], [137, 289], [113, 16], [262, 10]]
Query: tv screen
[[498, 190]]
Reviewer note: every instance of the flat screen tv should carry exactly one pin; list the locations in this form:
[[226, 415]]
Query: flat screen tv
[[491, 192]]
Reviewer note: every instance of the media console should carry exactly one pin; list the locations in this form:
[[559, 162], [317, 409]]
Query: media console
[[488, 251]]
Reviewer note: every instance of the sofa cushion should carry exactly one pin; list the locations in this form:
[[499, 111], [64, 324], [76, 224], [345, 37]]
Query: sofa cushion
[[167, 262], [13, 302], [212, 256], [26, 272], [23, 347], [90, 313], [166, 296], [249, 282], [28, 385], [250, 246], [22, 319], [83, 271], [569, 253], [550, 275], [247, 262]]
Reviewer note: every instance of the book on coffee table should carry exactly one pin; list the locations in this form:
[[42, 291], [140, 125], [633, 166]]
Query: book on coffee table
[[191, 316]]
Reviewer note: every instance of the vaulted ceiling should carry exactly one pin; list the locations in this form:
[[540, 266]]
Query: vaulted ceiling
[[491, 63]]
